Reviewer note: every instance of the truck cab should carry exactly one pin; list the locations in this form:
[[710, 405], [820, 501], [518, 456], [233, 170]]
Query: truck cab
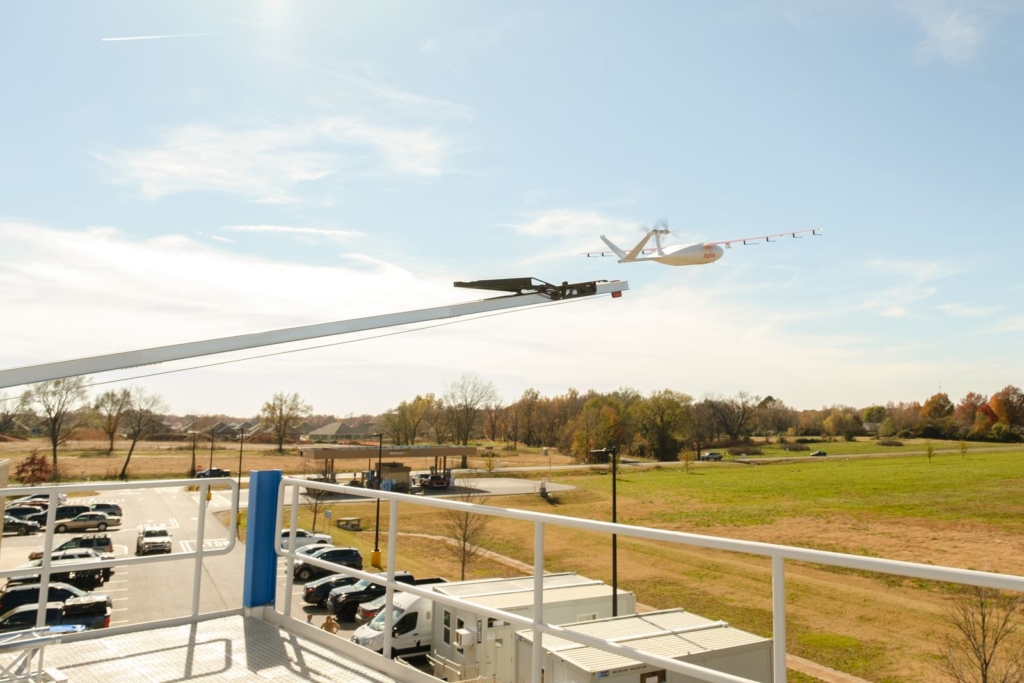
[[411, 630]]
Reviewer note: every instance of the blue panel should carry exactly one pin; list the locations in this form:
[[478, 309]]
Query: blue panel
[[260, 536]]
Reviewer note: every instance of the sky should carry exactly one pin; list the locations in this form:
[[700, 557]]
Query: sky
[[171, 173]]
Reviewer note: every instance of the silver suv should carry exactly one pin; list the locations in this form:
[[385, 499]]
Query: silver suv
[[153, 538]]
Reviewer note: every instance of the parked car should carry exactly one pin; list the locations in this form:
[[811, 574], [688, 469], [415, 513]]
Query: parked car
[[712, 456], [347, 557], [86, 521], [101, 543], [19, 526], [70, 511], [22, 511], [44, 497], [110, 508], [368, 610], [153, 538], [84, 555], [63, 571], [303, 538], [344, 602], [26, 594], [316, 592], [818, 454], [39, 518], [213, 472], [313, 547], [87, 611]]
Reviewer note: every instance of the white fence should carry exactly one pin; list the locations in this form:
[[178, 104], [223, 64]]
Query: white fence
[[778, 554]]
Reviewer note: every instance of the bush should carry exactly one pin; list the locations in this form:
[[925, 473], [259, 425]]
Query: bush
[[806, 440], [745, 450], [889, 442], [796, 447]]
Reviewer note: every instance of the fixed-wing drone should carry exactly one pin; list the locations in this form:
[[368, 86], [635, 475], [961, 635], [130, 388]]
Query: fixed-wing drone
[[685, 254]]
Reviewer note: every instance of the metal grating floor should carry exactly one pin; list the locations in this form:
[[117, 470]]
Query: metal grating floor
[[220, 650]]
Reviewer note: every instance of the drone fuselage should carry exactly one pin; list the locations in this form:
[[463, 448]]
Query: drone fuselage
[[689, 255]]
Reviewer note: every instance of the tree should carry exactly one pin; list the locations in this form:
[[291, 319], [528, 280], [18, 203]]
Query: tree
[[494, 413], [984, 646], [937, 407], [10, 407], [661, 418], [438, 418], [60, 402], [843, 421], [33, 470], [929, 450], [284, 413], [467, 529], [873, 414], [734, 414], [887, 428], [466, 398], [967, 409], [1010, 401], [700, 425], [773, 416], [141, 420], [109, 408], [964, 447]]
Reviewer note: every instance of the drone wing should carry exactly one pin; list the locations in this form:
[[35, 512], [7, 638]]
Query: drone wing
[[767, 238]]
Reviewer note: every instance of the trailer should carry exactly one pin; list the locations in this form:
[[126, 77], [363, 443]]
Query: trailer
[[675, 634], [466, 644]]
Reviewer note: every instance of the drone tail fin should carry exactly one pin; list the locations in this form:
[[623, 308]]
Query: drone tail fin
[[618, 252]]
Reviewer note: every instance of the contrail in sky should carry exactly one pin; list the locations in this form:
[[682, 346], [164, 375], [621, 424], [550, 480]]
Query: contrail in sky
[[178, 35]]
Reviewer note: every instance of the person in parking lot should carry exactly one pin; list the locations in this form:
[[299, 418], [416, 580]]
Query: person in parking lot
[[330, 625]]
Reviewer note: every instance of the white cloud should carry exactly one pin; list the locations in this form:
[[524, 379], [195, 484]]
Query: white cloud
[[76, 294], [951, 33], [961, 310], [340, 235], [429, 46], [917, 277], [270, 163], [572, 223]]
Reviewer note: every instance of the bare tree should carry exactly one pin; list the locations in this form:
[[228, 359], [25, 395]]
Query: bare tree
[[109, 408], [734, 414], [467, 397], [141, 419], [467, 529], [284, 412], [438, 418], [10, 408], [60, 402], [985, 646]]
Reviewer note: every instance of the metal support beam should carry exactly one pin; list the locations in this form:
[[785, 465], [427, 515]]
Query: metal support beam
[[162, 354]]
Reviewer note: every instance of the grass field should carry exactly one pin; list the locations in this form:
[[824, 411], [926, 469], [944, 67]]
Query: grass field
[[954, 511]]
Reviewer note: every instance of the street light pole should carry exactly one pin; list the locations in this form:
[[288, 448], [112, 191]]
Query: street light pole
[[614, 455], [212, 433], [375, 556], [241, 442]]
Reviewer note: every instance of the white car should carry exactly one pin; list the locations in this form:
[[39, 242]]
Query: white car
[[303, 537]]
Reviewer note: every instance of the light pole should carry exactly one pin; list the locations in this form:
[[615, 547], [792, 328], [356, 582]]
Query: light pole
[[375, 556], [613, 458], [195, 435], [212, 434], [241, 442]]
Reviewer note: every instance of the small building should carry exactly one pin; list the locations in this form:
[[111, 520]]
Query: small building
[[342, 431], [674, 634], [467, 644]]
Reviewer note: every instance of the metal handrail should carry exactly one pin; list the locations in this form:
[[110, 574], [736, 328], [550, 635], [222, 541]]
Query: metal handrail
[[777, 553], [47, 568]]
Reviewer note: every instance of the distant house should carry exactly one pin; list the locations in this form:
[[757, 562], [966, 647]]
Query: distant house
[[342, 431]]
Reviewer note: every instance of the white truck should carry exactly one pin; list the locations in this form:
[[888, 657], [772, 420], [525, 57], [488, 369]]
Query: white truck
[[411, 627]]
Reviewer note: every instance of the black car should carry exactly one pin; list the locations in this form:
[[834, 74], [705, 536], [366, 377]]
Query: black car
[[19, 526], [344, 601], [818, 454], [71, 511], [316, 592], [39, 518], [213, 472], [22, 511], [27, 594], [347, 557]]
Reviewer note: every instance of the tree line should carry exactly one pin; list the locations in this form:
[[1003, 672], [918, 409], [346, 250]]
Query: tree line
[[660, 424]]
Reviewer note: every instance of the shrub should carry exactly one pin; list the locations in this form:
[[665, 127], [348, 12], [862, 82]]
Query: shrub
[[745, 450], [889, 442], [796, 447], [806, 440]]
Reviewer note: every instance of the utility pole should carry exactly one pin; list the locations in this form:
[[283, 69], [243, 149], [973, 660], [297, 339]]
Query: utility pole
[[613, 460], [241, 441], [375, 556]]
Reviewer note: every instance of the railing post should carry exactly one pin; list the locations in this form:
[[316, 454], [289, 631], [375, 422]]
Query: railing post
[[389, 601], [538, 600], [779, 618], [261, 534], [289, 565], [44, 568], [197, 568]]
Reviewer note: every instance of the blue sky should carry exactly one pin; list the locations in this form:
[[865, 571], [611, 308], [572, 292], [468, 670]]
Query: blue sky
[[299, 163]]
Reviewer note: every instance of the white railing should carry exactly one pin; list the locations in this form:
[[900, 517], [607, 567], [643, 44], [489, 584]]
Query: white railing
[[778, 554], [47, 568]]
